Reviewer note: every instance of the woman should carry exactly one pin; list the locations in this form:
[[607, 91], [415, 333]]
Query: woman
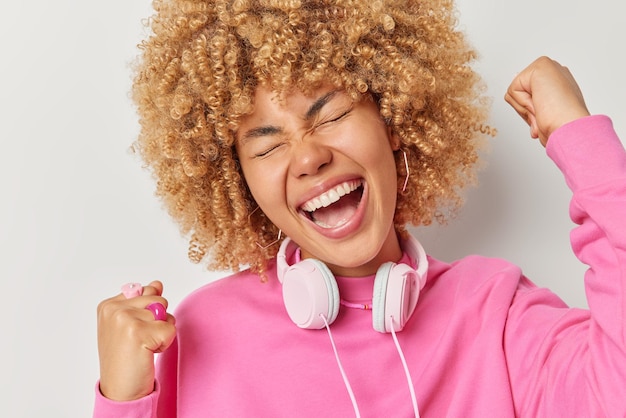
[[336, 124]]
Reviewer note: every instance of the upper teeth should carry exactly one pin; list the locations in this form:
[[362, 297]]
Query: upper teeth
[[331, 196]]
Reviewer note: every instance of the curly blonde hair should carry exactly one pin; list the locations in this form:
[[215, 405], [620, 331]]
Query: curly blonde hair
[[198, 70]]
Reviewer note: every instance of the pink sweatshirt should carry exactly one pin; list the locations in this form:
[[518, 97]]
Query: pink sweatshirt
[[484, 341]]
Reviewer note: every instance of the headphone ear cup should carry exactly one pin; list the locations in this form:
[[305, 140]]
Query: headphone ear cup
[[310, 290], [396, 290], [379, 297]]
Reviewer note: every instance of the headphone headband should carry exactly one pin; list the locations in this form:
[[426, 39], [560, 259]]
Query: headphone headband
[[411, 246]]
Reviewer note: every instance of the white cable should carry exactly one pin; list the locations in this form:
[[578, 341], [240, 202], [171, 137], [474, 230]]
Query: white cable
[[406, 368], [343, 373]]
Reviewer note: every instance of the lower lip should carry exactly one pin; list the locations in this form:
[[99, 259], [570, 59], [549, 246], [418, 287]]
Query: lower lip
[[351, 226]]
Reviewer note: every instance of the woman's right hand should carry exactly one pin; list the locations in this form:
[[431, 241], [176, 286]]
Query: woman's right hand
[[128, 338]]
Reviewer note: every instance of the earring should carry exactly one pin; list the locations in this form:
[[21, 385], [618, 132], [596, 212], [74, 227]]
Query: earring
[[280, 233], [406, 166]]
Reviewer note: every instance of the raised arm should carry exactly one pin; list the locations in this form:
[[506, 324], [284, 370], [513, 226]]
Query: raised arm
[[572, 362]]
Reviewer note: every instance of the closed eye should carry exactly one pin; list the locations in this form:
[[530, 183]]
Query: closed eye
[[267, 151], [334, 119]]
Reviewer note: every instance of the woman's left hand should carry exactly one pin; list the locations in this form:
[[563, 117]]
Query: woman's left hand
[[546, 96]]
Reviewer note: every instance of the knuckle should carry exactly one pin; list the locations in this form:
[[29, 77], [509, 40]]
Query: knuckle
[[105, 308], [116, 314]]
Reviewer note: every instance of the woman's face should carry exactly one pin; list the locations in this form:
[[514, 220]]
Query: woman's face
[[321, 167]]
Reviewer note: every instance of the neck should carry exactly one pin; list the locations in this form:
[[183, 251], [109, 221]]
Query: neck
[[389, 251]]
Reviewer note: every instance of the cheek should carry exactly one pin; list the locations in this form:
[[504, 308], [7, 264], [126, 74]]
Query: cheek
[[386, 163], [265, 186], [251, 175], [255, 184], [391, 183], [251, 180], [382, 160]]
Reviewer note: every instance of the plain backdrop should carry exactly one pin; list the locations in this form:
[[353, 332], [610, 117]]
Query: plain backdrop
[[79, 218]]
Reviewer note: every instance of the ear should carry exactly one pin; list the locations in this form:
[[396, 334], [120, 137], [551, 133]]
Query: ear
[[394, 140]]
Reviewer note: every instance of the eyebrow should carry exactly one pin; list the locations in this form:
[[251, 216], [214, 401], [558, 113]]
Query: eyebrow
[[311, 112], [260, 131], [315, 108]]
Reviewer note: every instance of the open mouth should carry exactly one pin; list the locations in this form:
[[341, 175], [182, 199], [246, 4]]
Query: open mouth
[[336, 206]]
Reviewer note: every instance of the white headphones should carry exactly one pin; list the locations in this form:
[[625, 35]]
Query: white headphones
[[310, 289]]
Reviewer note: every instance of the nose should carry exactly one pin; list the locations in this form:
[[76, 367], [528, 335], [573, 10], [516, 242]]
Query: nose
[[308, 158]]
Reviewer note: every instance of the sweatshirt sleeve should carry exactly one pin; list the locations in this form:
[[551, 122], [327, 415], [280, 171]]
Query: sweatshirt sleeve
[[145, 407], [572, 362]]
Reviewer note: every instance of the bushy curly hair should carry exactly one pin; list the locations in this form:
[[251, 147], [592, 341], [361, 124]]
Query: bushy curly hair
[[197, 72]]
